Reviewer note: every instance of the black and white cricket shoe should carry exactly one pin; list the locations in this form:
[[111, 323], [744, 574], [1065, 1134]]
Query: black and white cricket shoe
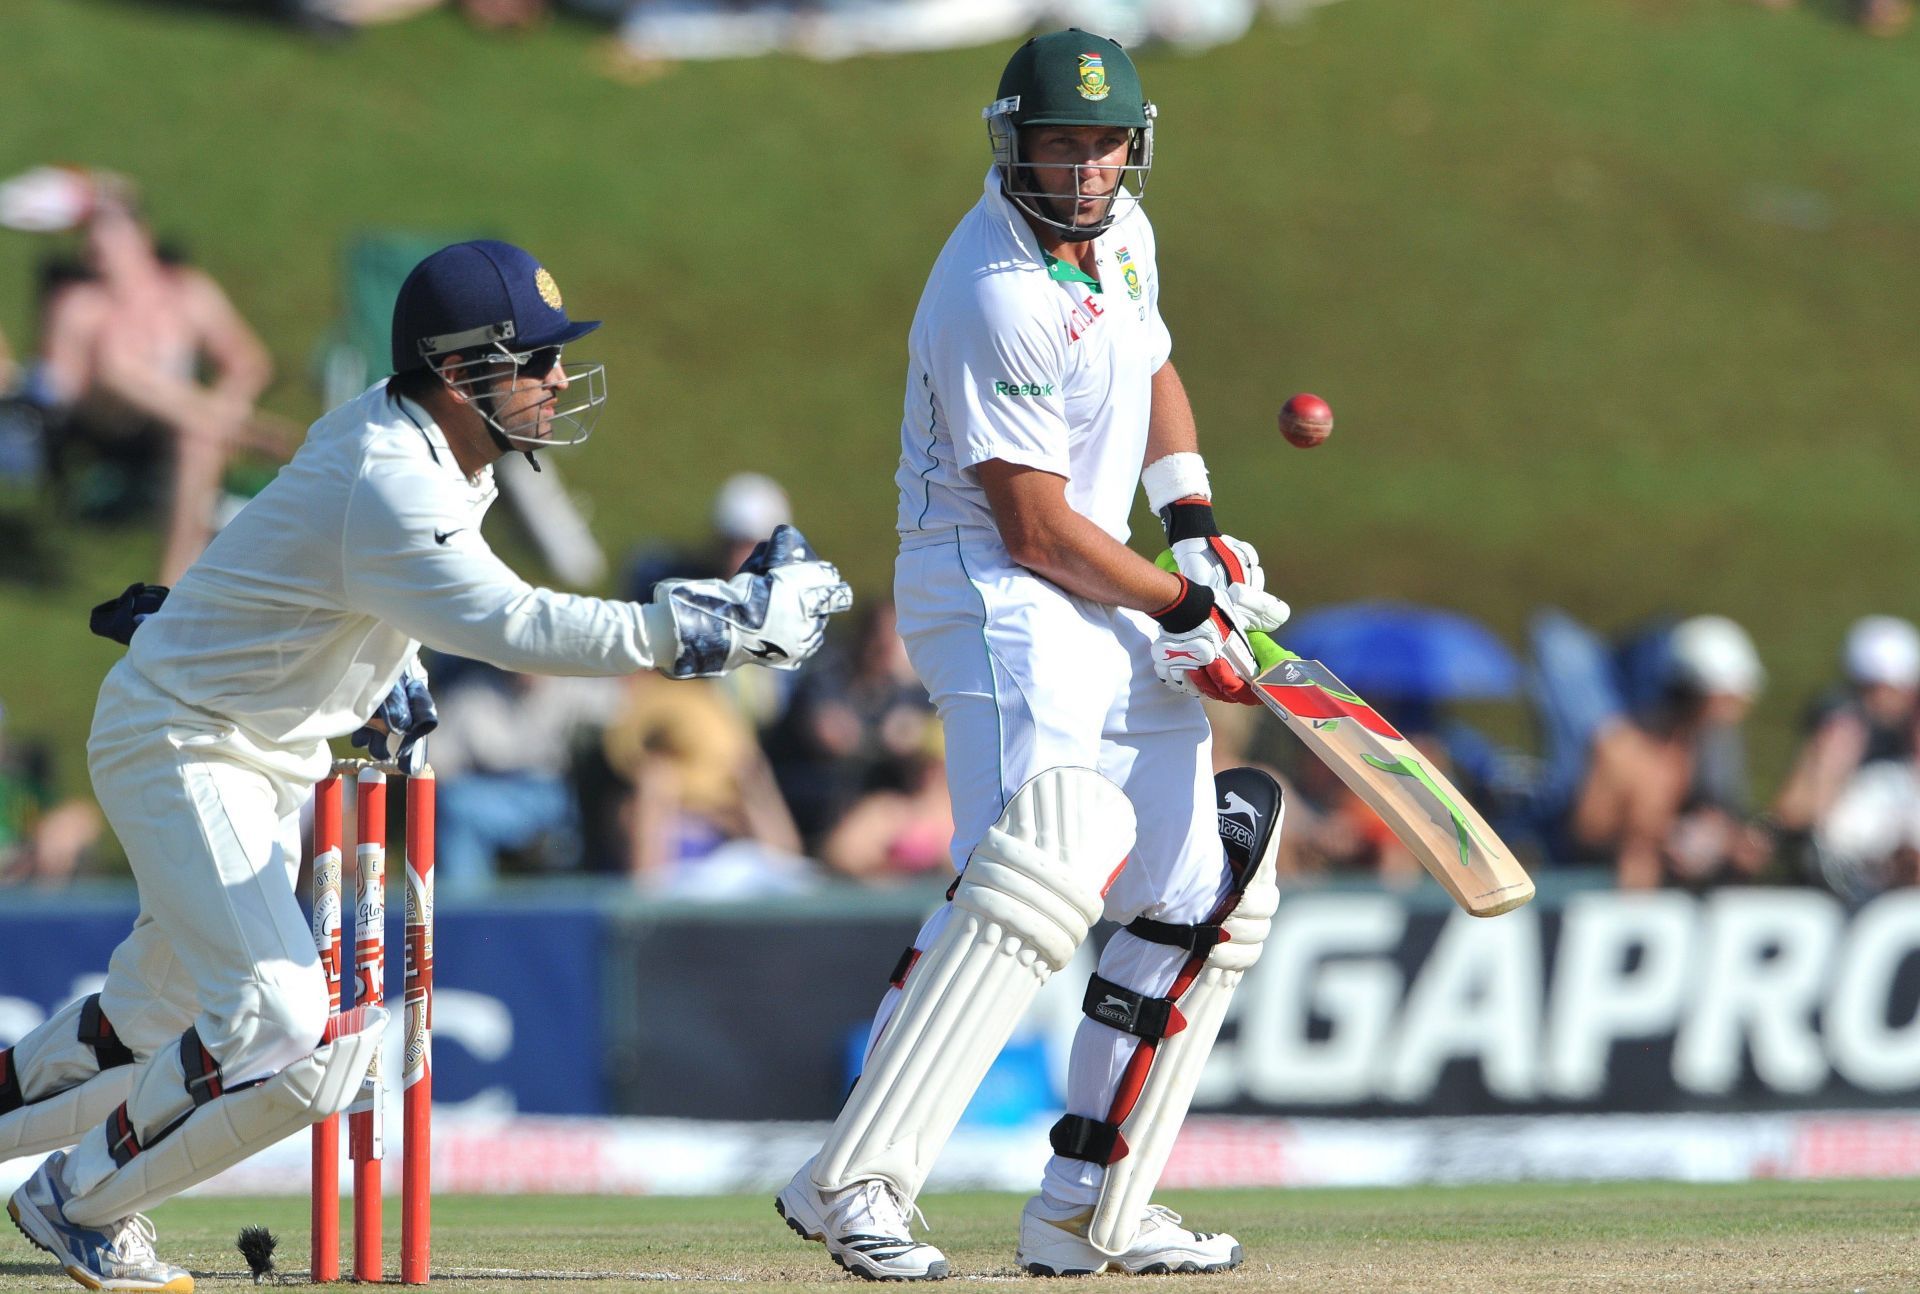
[[1053, 1242], [865, 1227]]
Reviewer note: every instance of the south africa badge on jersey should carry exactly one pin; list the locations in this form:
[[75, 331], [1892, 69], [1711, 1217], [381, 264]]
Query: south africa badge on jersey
[[1129, 272], [1093, 78]]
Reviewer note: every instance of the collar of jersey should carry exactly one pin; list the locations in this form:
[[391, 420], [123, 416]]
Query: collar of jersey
[[1067, 272], [417, 414]]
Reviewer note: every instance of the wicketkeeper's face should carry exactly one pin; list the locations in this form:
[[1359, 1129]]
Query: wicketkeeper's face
[[1078, 168], [524, 395]]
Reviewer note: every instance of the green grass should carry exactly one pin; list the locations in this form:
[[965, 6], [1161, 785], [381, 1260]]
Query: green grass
[[1613, 298], [1766, 1236]]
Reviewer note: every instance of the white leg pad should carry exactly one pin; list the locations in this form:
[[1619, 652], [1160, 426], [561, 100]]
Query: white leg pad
[[60, 1120], [228, 1129], [1031, 890], [1152, 1126]]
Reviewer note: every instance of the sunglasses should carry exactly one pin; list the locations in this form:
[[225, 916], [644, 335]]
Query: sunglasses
[[531, 363]]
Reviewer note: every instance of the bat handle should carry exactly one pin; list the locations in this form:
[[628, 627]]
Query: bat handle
[[1266, 652]]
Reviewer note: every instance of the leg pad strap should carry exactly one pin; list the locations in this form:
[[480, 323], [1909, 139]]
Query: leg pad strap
[[97, 1032], [1075, 1136], [10, 1095], [1119, 1007]]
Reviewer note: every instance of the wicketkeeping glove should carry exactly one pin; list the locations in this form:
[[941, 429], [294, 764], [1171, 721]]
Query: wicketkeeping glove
[[120, 617], [404, 720], [773, 613]]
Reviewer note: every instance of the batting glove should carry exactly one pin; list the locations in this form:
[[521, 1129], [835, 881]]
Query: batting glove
[[1229, 566], [1201, 649]]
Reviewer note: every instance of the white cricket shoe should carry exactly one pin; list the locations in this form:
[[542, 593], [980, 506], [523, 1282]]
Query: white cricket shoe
[[865, 1227], [1053, 1242], [117, 1257]]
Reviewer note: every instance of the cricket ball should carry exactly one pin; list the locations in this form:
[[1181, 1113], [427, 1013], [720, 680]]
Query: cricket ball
[[1306, 420]]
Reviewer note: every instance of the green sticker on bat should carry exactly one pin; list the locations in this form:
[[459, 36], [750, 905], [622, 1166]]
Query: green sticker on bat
[[1407, 768]]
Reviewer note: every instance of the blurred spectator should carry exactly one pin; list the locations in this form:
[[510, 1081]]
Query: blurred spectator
[[1852, 793], [857, 722], [1884, 17], [891, 834], [660, 31], [504, 756], [42, 839], [341, 17], [20, 428], [1664, 796], [122, 354], [704, 817], [746, 508], [1876, 17]]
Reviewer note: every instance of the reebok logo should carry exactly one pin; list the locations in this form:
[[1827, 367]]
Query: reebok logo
[[1023, 388], [442, 536], [766, 651]]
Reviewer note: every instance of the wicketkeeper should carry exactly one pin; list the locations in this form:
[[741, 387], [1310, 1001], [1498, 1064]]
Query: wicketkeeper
[[302, 620], [1068, 672]]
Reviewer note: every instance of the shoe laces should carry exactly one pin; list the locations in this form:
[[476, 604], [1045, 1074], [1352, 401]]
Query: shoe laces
[[133, 1240], [1158, 1215], [886, 1207]]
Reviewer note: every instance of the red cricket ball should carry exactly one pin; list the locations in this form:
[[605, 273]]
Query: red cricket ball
[[1306, 420]]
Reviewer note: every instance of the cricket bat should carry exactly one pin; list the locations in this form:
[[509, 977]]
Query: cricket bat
[[1388, 772]]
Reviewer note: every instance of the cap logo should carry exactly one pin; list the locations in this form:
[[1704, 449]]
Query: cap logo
[[1093, 78], [548, 289]]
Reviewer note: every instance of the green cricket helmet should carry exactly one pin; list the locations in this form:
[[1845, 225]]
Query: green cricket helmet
[[1069, 78]]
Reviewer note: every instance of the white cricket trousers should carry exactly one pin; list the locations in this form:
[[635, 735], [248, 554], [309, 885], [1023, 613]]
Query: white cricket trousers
[[1028, 677], [210, 822]]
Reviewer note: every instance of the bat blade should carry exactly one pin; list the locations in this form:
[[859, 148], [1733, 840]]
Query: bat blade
[[1451, 840]]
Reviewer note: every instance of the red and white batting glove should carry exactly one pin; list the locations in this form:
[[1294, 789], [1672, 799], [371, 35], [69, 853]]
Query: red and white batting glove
[[1230, 567], [1181, 495], [1201, 650]]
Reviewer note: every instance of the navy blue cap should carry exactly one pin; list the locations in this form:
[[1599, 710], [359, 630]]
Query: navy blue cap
[[471, 295]]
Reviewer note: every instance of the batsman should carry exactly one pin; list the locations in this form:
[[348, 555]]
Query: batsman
[[210, 1039], [1068, 673]]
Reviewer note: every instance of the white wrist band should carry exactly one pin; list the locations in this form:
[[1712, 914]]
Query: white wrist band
[[1177, 476]]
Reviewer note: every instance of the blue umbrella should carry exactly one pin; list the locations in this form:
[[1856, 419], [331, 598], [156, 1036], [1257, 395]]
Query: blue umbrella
[[1386, 649]]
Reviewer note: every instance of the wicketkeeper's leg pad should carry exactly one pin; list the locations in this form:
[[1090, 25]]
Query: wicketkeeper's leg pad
[[62, 1079], [62, 1119], [226, 1126], [1032, 888], [1177, 1031]]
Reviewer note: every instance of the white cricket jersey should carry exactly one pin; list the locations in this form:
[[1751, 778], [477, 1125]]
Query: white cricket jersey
[[1019, 357], [297, 620]]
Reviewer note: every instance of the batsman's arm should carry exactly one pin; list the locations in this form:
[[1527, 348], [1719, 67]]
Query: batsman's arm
[[1171, 428], [1043, 533]]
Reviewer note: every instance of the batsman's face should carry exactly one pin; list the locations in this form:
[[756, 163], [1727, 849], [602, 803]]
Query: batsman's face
[[1077, 167]]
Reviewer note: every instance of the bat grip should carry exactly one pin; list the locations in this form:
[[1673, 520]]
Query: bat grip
[[1266, 652]]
